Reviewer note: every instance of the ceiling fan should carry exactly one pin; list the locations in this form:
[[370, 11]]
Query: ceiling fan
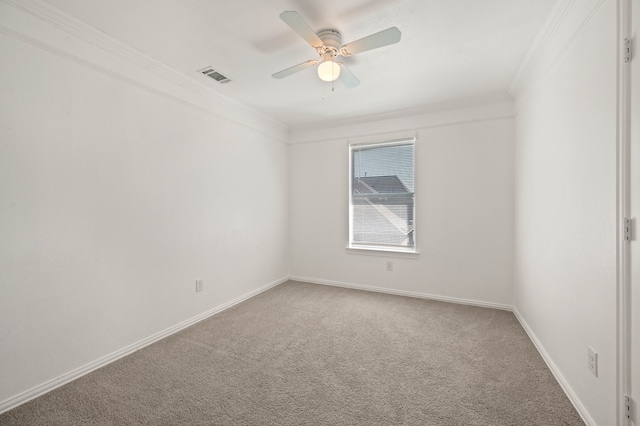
[[328, 45]]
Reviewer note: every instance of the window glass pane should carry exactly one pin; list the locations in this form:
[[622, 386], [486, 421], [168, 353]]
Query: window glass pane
[[382, 195]]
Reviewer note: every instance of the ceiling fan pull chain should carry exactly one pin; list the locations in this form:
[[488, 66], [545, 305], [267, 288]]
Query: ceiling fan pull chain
[[333, 79]]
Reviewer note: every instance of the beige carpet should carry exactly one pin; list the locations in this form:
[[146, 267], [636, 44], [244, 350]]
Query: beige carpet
[[304, 354]]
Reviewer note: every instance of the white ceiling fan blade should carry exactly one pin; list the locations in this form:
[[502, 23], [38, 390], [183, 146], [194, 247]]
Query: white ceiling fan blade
[[294, 69], [347, 77], [382, 38], [300, 26]]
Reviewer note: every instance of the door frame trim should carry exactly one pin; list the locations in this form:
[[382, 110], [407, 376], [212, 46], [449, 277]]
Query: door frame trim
[[623, 204]]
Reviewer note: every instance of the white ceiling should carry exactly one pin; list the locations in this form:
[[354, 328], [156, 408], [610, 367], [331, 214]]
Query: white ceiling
[[450, 50]]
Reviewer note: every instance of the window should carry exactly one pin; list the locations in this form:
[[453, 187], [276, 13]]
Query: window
[[381, 207]]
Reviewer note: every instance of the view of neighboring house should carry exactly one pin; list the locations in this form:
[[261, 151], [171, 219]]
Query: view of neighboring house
[[382, 211]]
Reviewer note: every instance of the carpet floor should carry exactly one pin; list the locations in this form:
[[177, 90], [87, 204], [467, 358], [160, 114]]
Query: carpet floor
[[306, 354]]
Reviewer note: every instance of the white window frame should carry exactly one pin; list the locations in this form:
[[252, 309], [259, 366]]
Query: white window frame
[[372, 248]]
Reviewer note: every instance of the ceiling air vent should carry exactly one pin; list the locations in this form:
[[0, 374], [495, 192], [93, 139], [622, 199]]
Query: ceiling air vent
[[210, 72]]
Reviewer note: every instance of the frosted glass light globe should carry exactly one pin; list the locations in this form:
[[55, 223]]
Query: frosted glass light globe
[[328, 71]]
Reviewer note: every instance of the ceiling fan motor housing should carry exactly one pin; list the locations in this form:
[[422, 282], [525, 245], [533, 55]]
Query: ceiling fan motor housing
[[332, 41]]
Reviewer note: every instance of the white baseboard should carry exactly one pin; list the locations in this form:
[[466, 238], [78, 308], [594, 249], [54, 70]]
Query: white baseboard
[[568, 390], [50, 385], [479, 303]]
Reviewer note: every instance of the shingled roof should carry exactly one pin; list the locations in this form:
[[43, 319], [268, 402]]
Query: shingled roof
[[379, 185]]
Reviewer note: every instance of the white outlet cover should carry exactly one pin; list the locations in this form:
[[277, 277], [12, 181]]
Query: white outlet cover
[[592, 361]]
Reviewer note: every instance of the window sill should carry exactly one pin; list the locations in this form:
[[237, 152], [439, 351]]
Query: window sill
[[383, 251]]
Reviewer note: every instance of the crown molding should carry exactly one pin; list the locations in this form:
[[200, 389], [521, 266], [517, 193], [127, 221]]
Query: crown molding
[[543, 38], [490, 107], [565, 22], [91, 47], [425, 109]]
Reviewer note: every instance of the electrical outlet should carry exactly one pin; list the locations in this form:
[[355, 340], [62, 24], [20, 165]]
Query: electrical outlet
[[389, 265], [592, 361], [199, 286]]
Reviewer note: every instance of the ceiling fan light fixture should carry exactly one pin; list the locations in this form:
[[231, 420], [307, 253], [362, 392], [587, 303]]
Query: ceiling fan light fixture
[[328, 44], [329, 70]]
